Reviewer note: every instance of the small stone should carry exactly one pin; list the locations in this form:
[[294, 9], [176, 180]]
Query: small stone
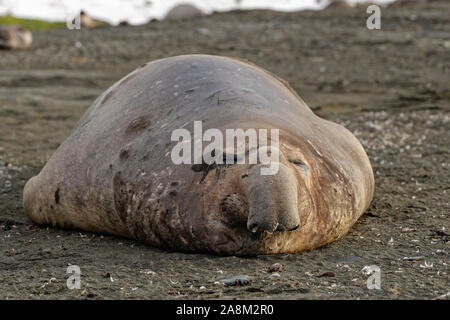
[[443, 297], [147, 271], [395, 290], [416, 258], [276, 267], [391, 242]]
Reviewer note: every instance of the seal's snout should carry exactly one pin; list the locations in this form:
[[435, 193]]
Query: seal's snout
[[269, 228], [273, 204]]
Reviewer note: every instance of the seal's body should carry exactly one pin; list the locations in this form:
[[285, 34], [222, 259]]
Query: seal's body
[[15, 37], [114, 174]]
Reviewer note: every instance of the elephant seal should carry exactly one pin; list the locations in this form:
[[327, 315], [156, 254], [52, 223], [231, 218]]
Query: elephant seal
[[183, 11], [115, 173], [15, 37]]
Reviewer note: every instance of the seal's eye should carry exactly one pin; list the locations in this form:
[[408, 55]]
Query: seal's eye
[[299, 164]]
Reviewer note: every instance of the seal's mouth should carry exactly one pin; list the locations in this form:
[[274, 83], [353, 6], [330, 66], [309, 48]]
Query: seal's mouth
[[281, 228], [272, 200]]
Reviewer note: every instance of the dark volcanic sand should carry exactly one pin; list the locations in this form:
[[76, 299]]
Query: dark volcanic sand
[[389, 87]]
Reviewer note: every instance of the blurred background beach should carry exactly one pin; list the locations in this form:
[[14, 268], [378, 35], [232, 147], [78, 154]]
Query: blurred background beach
[[389, 87]]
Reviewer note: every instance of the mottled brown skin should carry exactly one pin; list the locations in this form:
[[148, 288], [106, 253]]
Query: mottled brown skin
[[114, 173], [15, 37]]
